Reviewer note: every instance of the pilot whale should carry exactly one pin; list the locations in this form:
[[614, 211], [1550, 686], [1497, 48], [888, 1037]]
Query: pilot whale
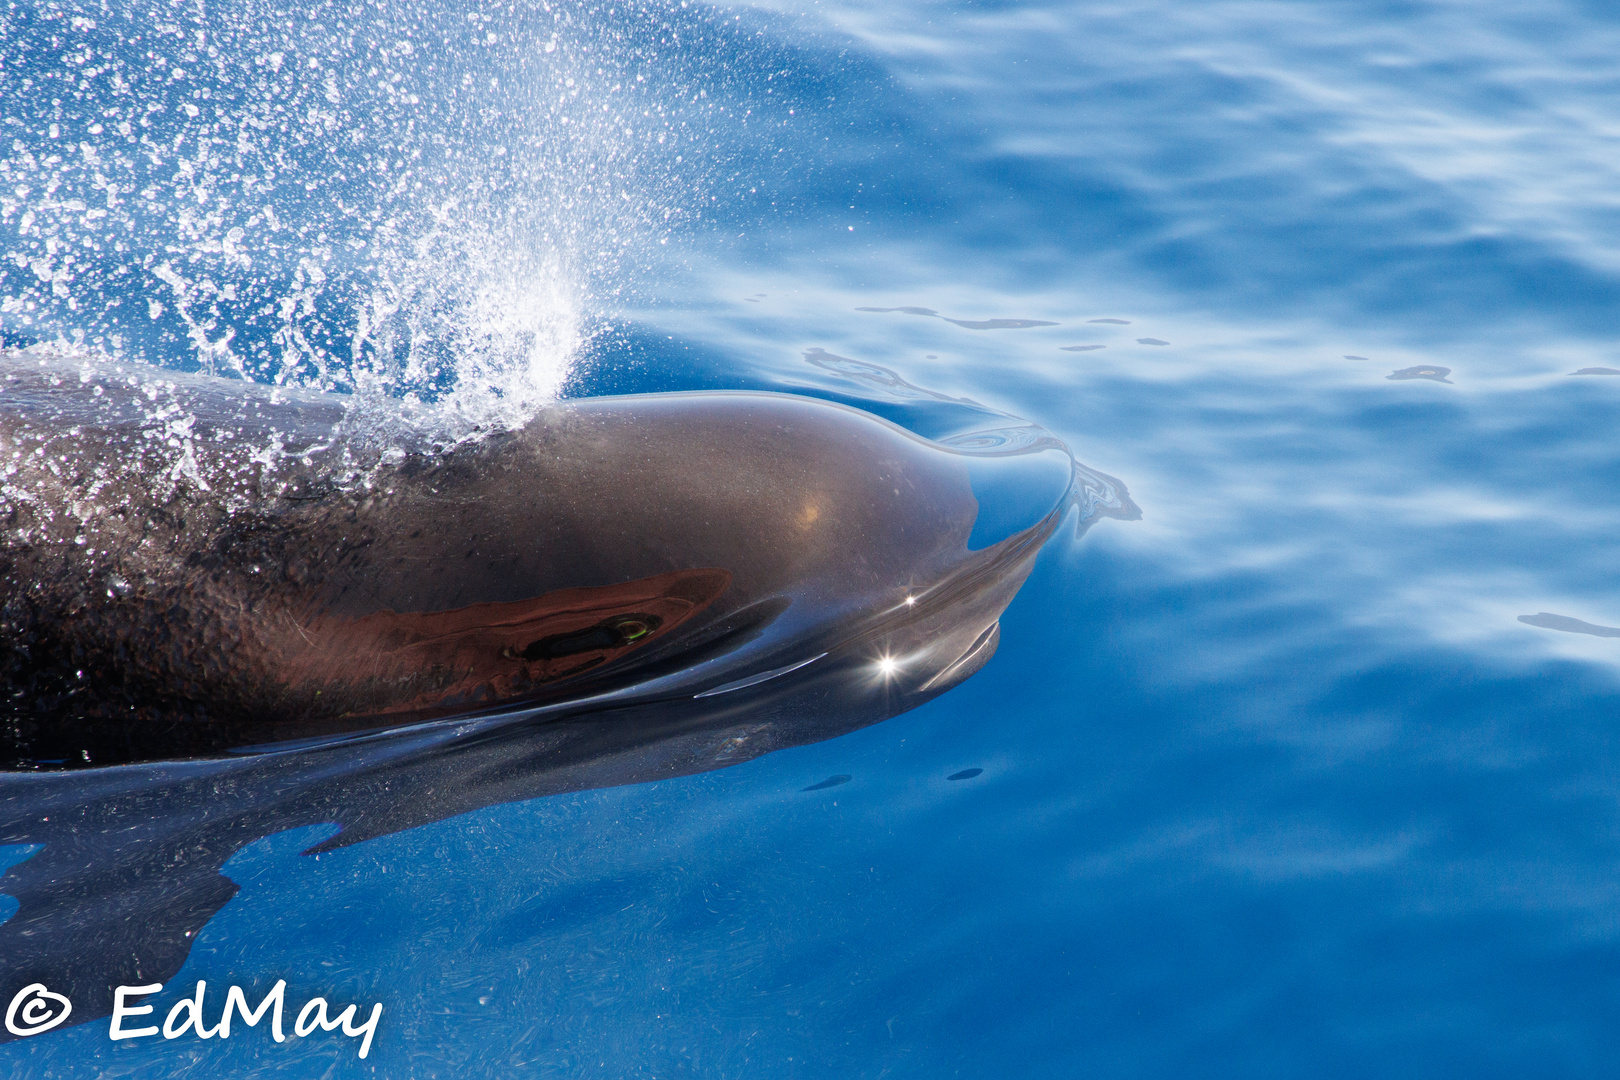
[[232, 610], [167, 586]]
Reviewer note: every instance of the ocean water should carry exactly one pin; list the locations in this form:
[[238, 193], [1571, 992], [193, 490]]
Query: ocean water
[[1274, 781]]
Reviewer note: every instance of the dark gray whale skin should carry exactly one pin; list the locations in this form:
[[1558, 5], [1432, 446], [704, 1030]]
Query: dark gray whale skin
[[205, 644]]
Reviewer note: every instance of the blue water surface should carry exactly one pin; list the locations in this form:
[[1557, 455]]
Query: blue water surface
[[1274, 781]]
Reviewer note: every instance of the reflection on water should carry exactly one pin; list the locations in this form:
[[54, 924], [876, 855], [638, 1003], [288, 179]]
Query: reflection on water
[[1548, 621], [966, 324], [1422, 371]]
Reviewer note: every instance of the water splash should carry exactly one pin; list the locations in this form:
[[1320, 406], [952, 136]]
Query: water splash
[[403, 200]]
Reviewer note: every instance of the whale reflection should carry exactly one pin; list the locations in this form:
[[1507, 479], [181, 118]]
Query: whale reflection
[[234, 610]]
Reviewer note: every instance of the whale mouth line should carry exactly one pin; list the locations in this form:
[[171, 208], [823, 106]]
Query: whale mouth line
[[755, 680], [989, 639]]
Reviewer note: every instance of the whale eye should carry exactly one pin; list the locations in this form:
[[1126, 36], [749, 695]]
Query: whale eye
[[611, 633], [632, 629]]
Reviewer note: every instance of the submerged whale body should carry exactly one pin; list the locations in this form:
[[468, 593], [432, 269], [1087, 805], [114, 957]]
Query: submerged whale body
[[332, 630]]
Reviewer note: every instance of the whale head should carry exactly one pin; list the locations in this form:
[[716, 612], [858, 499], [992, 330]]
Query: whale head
[[176, 588]]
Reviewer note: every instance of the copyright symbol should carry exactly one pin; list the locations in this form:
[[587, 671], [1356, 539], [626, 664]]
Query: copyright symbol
[[37, 1006]]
